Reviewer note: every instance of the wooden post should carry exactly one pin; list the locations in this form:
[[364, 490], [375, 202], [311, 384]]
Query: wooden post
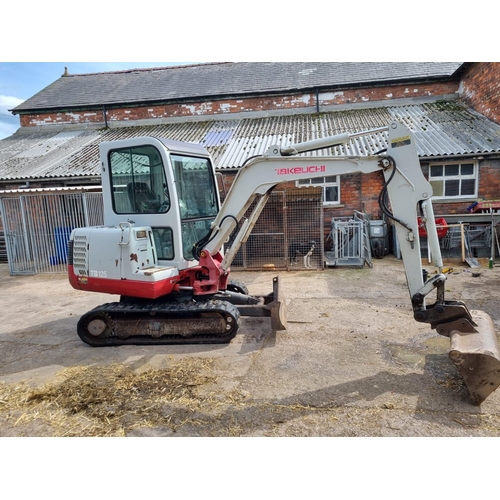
[[462, 241]]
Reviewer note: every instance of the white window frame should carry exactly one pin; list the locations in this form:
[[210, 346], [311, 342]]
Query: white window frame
[[323, 183], [460, 177]]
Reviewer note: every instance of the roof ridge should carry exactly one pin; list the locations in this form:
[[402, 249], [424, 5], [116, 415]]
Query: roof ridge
[[136, 70]]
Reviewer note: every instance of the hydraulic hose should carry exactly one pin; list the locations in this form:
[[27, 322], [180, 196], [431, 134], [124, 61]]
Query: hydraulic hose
[[199, 245], [382, 199]]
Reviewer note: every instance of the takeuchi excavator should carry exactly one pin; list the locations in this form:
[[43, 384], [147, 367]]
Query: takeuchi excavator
[[161, 248]]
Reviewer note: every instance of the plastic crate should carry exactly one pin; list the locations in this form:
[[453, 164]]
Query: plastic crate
[[442, 229]]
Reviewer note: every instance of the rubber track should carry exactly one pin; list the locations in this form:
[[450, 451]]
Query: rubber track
[[162, 310]]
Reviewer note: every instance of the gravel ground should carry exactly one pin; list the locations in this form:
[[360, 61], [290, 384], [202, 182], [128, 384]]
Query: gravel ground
[[352, 362]]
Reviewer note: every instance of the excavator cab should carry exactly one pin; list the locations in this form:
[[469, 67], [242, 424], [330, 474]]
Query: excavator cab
[[198, 199], [165, 185]]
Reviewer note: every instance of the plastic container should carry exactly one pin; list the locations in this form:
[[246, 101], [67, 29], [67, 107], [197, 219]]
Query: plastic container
[[378, 229], [441, 231], [379, 238], [62, 235]]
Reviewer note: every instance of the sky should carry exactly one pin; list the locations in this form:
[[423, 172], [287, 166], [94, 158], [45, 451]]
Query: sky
[[21, 80], [212, 34]]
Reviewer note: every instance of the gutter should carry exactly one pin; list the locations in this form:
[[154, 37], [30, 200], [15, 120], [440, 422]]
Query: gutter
[[72, 189], [217, 97], [31, 180], [453, 157]]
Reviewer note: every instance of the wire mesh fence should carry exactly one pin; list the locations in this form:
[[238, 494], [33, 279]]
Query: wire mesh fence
[[287, 235]]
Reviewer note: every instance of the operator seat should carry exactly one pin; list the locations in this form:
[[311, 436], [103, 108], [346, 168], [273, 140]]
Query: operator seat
[[142, 198]]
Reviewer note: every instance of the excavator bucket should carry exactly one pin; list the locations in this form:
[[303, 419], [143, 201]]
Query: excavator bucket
[[477, 357], [278, 307]]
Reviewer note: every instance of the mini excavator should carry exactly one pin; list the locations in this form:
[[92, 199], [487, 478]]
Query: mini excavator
[[161, 248]]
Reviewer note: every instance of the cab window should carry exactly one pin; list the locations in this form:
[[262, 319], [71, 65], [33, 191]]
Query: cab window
[[138, 181]]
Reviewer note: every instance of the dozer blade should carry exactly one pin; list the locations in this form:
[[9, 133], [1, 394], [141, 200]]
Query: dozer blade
[[272, 305], [477, 357], [278, 307]]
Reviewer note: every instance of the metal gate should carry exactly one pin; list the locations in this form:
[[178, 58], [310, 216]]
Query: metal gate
[[37, 228], [350, 242]]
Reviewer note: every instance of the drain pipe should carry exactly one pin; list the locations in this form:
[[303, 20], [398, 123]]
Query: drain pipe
[[317, 100], [105, 115]]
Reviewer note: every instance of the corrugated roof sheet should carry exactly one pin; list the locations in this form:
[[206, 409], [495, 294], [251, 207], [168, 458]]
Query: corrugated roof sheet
[[221, 79], [443, 128]]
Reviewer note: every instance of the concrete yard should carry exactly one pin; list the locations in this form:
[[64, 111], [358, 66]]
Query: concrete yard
[[352, 362]]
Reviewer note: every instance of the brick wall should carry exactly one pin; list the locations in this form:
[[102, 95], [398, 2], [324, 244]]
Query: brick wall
[[350, 196], [489, 180], [224, 107], [358, 192], [480, 88]]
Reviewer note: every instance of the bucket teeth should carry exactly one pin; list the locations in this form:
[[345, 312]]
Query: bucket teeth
[[476, 356]]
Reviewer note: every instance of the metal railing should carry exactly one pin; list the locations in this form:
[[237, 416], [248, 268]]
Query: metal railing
[[37, 228]]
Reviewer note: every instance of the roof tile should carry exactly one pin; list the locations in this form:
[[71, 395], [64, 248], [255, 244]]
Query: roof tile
[[221, 79]]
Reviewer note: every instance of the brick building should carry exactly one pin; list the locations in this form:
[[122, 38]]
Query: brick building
[[237, 110]]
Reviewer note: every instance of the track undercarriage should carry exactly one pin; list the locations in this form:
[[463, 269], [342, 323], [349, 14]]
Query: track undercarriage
[[214, 320], [140, 322]]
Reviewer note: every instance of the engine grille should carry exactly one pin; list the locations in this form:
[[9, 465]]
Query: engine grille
[[80, 254]]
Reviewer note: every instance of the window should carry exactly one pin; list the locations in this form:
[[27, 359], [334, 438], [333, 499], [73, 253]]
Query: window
[[164, 242], [196, 187], [198, 200], [454, 180], [138, 181], [330, 185]]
